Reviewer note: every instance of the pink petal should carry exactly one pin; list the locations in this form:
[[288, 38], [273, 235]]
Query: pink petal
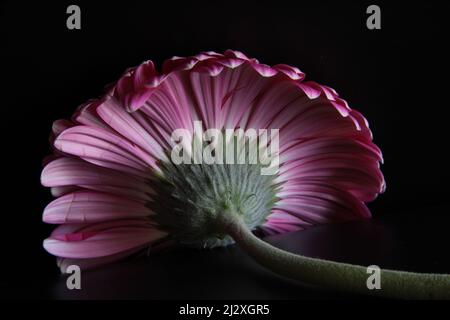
[[102, 239], [105, 149], [86, 114], [124, 123], [178, 64], [137, 85], [90, 207], [280, 221], [264, 70], [236, 54], [312, 90], [328, 145], [320, 202], [60, 125], [73, 172], [238, 101], [291, 72], [212, 68], [60, 191], [169, 108], [358, 175]]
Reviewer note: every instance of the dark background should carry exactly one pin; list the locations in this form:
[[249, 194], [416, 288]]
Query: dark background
[[397, 77]]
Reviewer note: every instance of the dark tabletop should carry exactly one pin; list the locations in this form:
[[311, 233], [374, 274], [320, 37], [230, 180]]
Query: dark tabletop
[[414, 244]]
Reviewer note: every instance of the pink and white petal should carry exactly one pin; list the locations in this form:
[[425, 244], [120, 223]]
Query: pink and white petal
[[280, 221], [102, 239], [319, 121], [105, 149], [143, 74], [353, 173], [92, 207], [237, 104], [207, 55], [211, 67], [311, 89], [319, 203], [137, 85], [208, 94], [157, 129], [271, 229], [235, 54], [188, 96], [231, 62], [366, 133], [74, 172], [169, 108], [300, 149], [178, 64], [281, 105], [292, 72], [87, 115], [141, 196], [290, 109], [123, 122], [351, 164], [264, 70], [59, 126], [271, 101], [60, 191]]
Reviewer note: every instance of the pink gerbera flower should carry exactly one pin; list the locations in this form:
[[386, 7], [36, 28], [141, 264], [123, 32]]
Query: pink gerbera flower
[[119, 192]]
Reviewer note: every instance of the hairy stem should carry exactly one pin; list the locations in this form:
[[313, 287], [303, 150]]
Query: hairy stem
[[335, 275]]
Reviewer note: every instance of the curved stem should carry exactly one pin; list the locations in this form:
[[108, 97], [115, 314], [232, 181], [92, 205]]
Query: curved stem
[[335, 275]]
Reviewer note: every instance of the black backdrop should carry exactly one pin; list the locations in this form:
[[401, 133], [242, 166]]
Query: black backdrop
[[397, 77]]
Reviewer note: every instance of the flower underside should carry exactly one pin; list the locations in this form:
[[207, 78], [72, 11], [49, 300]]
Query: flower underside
[[191, 198]]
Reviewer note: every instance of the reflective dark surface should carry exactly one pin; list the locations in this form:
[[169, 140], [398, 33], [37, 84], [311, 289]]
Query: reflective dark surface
[[228, 273]]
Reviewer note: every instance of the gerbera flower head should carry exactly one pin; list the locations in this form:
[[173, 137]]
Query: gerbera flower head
[[119, 190]]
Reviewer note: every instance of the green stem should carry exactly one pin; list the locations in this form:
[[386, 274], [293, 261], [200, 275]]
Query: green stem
[[335, 275]]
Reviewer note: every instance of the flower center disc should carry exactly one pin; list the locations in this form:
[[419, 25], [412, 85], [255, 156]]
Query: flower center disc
[[191, 197]]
